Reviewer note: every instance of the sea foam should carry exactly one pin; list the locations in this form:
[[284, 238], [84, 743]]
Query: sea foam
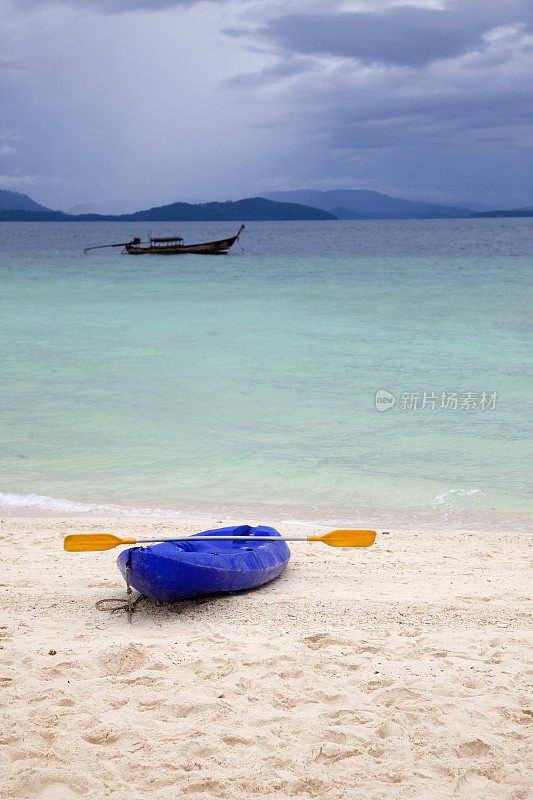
[[41, 502]]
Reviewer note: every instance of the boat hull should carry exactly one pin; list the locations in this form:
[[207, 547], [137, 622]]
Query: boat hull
[[221, 247], [176, 570]]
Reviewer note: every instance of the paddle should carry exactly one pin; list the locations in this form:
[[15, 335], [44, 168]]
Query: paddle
[[81, 542]]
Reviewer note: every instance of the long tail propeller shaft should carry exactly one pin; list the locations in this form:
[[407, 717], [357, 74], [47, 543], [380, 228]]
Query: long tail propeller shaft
[[101, 246]]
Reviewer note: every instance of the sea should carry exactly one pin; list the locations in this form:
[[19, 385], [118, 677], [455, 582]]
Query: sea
[[343, 373]]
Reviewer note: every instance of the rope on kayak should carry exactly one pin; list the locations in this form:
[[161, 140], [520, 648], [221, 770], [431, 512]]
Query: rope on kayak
[[129, 607], [101, 604]]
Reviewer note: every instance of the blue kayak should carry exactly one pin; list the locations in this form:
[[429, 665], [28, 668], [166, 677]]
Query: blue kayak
[[176, 570]]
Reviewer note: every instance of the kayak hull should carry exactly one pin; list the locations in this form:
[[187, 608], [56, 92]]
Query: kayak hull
[[176, 570]]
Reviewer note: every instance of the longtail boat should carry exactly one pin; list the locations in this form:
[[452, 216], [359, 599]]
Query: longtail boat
[[171, 245]]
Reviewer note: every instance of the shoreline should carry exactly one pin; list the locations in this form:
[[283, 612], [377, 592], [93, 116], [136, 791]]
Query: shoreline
[[396, 671], [36, 506], [206, 521]]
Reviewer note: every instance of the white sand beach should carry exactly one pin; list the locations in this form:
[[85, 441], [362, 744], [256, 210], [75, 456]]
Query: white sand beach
[[400, 671]]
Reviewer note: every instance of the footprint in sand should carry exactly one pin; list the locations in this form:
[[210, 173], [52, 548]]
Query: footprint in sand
[[118, 660], [320, 640], [52, 785], [398, 696], [348, 716], [66, 702], [331, 753], [371, 686], [473, 749], [231, 741], [100, 734]]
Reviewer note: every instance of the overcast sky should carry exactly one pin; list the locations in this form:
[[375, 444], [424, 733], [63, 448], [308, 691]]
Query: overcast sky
[[150, 101]]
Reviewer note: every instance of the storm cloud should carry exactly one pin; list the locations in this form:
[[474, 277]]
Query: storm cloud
[[115, 6], [152, 101], [406, 35], [438, 94]]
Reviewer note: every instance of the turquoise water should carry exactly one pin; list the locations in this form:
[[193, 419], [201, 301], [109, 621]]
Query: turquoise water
[[245, 385]]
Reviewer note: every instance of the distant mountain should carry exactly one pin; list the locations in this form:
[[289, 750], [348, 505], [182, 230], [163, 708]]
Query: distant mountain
[[365, 204], [16, 200], [252, 208], [512, 212], [111, 207], [249, 209], [25, 215]]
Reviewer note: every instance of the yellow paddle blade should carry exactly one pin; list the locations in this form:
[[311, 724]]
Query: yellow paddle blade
[[346, 538], [78, 542]]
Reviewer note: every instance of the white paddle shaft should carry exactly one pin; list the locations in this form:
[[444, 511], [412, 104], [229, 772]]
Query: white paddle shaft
[[228, 538]]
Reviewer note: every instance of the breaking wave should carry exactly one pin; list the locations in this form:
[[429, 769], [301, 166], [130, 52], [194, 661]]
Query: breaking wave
[[42, 502]]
